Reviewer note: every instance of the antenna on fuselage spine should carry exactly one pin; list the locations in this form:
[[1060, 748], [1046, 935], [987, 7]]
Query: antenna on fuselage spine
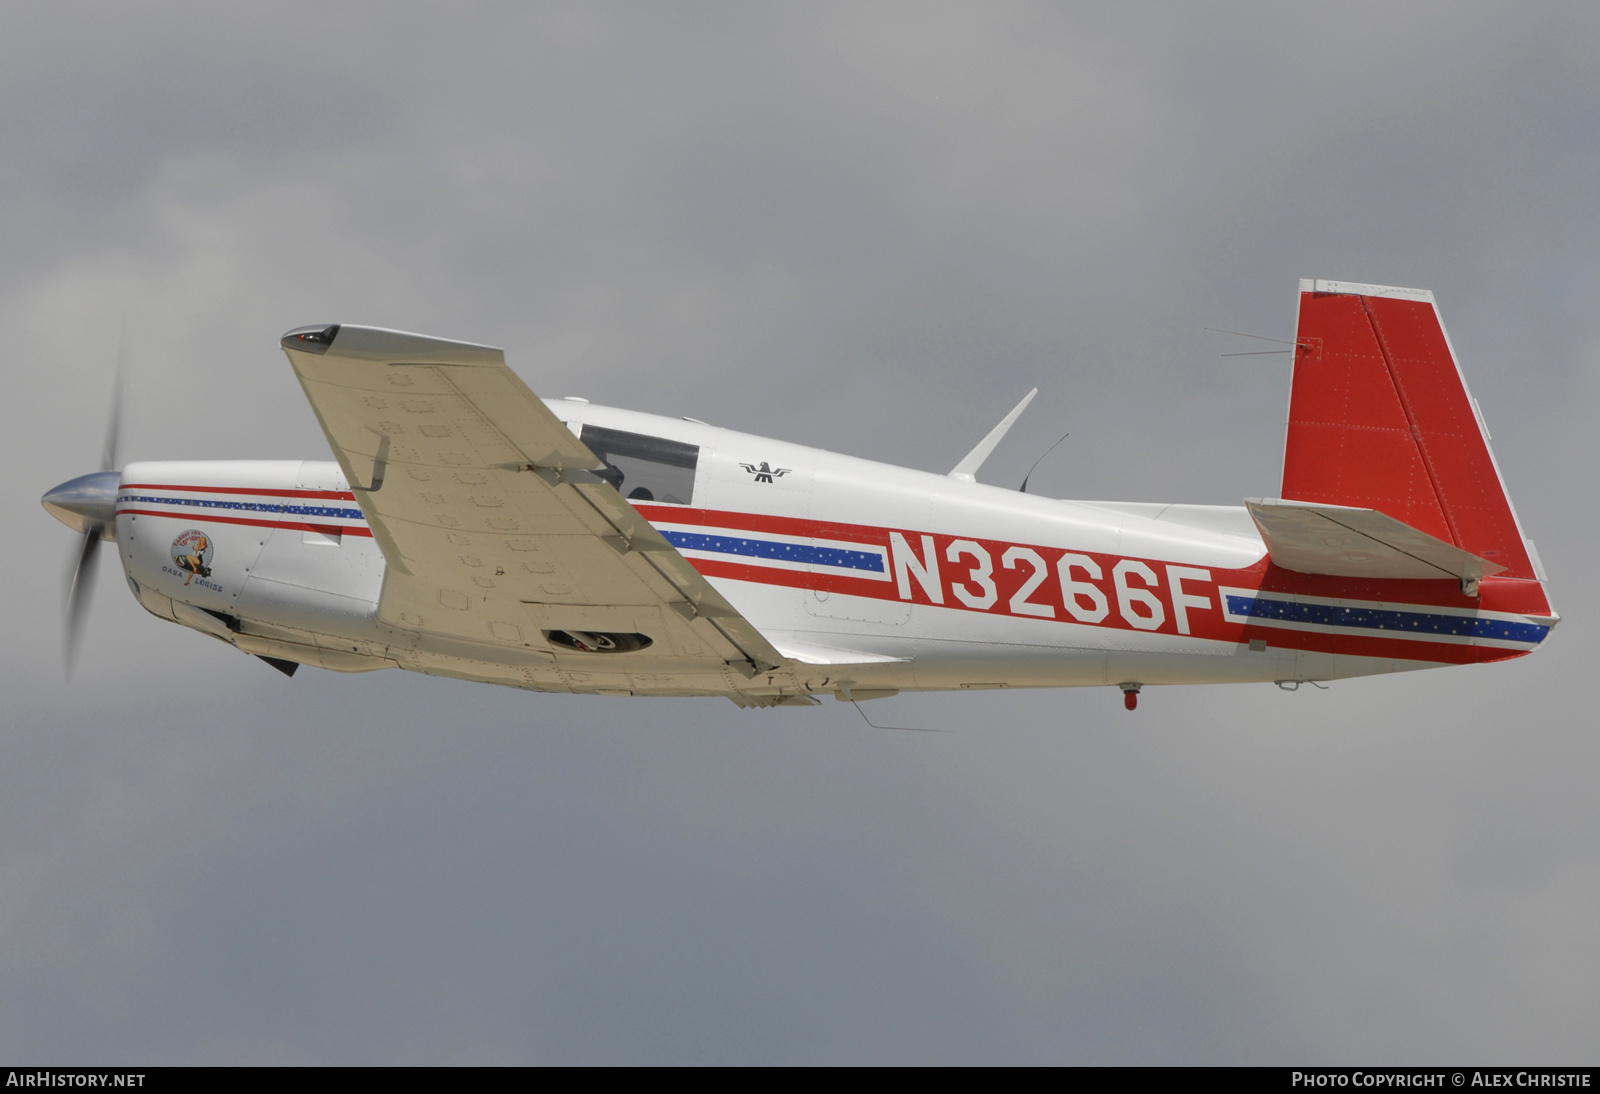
[[1024, 487], [967, 469]]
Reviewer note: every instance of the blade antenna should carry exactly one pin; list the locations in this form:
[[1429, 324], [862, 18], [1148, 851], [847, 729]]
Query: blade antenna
[[967, 469], [1024, 487]]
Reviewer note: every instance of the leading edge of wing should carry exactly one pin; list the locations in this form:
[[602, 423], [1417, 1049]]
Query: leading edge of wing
[[386, 346]]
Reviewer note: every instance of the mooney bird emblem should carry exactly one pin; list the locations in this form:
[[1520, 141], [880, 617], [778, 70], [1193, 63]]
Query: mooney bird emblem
[[763, 473]]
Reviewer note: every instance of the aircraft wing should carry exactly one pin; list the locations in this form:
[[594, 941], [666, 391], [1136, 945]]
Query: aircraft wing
[[491, 517]]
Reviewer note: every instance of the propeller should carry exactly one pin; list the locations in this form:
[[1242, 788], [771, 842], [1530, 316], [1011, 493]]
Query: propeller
[[88, 504]]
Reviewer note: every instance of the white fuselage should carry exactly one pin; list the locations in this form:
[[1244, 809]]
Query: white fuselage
[[915, 580]]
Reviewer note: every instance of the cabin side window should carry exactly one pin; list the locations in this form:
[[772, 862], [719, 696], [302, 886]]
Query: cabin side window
[[645, 468]]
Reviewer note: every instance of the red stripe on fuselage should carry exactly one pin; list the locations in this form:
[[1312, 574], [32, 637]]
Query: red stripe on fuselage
[[1397, 649], [331, 495], [208, 518]]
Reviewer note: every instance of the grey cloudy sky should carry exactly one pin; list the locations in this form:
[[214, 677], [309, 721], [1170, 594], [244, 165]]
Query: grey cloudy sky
[[868, 227]]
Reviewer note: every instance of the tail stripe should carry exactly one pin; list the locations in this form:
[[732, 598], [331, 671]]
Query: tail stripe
[[1433, 625]]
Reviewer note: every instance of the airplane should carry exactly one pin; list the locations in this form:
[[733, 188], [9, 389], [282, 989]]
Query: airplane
[[468, 528]]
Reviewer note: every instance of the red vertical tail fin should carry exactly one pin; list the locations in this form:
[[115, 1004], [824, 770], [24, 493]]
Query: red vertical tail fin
[[1380, 418]]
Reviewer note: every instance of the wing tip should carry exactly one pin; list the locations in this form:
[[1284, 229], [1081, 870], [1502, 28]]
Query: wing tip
[[316, 339], [383, 344]]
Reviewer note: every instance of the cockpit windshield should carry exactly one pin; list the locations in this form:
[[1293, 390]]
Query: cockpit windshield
[[645, 468]]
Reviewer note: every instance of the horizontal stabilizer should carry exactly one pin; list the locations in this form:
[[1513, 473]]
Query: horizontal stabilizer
[[1346, 542]]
